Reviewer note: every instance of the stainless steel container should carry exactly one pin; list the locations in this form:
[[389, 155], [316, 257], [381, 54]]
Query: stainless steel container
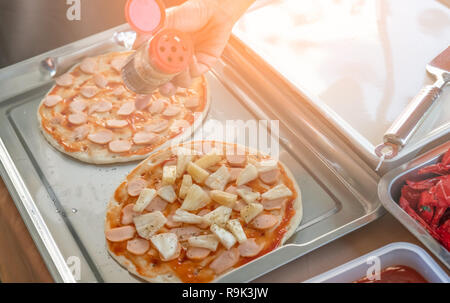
[[389, 191]]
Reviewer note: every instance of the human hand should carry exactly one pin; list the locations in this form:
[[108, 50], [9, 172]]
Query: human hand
[[209, 22]]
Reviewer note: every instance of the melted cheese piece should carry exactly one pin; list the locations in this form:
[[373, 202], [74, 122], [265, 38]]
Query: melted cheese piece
[[166, 244], [167, 193], [219, 216], [205, 241], [145, 197], [148, 224], [226, 238], [277, 192], [236, 228]]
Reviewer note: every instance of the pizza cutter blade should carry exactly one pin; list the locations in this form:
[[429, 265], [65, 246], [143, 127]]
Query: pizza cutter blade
[[398, 135]]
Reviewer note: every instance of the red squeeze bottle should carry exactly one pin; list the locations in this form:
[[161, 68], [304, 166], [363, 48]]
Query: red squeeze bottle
[[161, 58]]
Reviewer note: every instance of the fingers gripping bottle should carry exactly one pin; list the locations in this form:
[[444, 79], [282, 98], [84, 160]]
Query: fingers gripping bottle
[[160, 59]]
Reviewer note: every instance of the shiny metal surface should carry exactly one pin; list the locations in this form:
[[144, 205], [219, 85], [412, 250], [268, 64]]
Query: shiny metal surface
[[56, 66], [338, 187], [389, 192], [410, 119], [414, 114], [359, 62]]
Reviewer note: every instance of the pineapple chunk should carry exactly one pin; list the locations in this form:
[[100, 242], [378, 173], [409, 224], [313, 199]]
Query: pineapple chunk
[[205, 241], [250, 211], [279, 191], [148, 224], [166, 244], [224, 198], [253, 160], [145, 197], [183, 158], [186, 217], [236, 228], [169, 174], [196, 198], [247, 194], [210, 159], [225, 237], [249, 173], [185, 185], [197, 173], [218, 216], [167, 193], [267, 165], [219, 179]]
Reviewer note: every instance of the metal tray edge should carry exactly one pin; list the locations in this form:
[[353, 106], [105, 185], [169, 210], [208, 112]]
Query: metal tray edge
[[33, 219]]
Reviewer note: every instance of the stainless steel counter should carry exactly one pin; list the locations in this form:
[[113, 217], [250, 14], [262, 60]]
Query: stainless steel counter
[[359, 62]]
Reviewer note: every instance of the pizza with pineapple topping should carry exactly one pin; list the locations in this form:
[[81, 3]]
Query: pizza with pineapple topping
[[90, 115], [195, 211]]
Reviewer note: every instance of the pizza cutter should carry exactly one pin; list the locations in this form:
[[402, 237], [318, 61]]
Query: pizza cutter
[[398, 135]]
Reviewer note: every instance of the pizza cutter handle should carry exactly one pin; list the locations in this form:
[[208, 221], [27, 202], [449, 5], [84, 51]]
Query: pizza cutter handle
[[412, 116]]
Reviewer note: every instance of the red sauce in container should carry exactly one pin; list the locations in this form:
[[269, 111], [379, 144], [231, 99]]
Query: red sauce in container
[[396, 274]]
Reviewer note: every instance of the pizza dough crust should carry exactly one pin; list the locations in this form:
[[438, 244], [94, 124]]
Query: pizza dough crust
[[104, 156], [154, 160]]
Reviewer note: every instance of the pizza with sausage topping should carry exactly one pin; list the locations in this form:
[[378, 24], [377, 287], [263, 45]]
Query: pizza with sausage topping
[[90, 115], [195, 211]]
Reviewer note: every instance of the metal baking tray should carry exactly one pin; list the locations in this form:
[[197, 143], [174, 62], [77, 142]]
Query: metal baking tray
[[398, 253], [353, 59], [389, 190], [62, 201]]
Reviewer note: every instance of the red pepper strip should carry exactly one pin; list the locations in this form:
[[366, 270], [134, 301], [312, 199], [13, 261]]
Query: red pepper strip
[[424, 184], [446, 158], [426, 206], [442, 192], [407, 208], [446, 225], [438, 169], [411, 195], [446, 216], [426, 212], [428, 198], [444, 233], [440, 211]]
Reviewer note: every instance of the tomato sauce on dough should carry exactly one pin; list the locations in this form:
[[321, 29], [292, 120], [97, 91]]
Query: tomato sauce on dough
[[55, 123], [189, 270]]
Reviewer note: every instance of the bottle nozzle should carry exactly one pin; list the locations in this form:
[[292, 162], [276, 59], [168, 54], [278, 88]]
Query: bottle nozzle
[[171, 51]]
